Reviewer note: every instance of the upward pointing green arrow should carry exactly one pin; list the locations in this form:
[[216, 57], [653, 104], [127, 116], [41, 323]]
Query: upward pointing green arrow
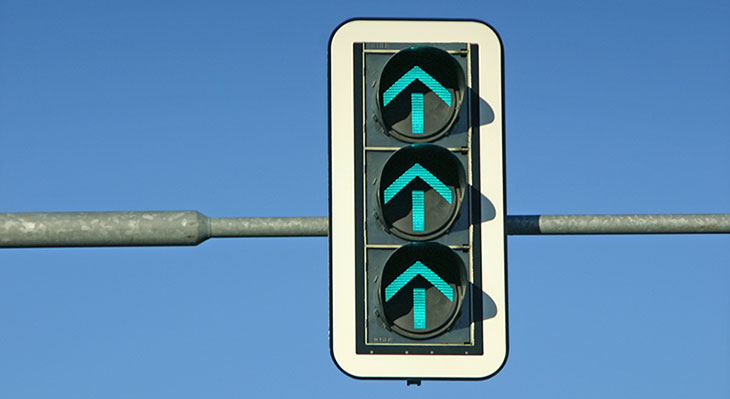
[[416, 269], [416, 73], [419, 294], [418, 207], [413, 172]]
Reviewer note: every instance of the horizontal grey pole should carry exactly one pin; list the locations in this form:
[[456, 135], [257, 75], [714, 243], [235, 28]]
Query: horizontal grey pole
[[110, 229], [269, 227], [619, 224], [95, 229]]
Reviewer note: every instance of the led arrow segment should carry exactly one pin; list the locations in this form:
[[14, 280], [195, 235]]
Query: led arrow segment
[[417, 269], [419, 294], [420, 92], [420, 191], [413, 172], [423, 286], [416, 73], [418, 208]]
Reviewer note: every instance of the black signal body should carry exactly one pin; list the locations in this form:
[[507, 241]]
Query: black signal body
[[418, 249]]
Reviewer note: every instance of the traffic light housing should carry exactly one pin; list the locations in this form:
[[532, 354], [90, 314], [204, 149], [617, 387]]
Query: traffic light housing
[[417, 240]]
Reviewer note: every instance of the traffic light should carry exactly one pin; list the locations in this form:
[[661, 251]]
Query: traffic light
[[417, 239]]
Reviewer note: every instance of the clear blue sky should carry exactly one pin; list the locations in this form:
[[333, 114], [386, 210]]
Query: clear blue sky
[[221, 107]]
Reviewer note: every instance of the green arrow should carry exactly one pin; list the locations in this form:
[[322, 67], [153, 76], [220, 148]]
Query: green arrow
[[417, 171], [416, 73], [416, 269]]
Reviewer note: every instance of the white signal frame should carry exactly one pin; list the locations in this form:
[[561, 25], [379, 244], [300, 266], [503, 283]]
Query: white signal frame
[[342, 201]]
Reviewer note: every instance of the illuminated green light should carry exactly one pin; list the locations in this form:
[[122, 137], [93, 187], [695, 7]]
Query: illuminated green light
[[417, 113], [419, 308], [417, 171], [418, 210], [416, 73], [416, 269]]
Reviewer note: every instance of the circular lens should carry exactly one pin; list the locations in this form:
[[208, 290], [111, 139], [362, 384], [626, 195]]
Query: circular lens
[[420, 191], [421, 289], [419, 93]]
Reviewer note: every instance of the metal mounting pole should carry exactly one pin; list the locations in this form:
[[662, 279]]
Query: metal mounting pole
[[102, 229], [170, 228], [619, 224]]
